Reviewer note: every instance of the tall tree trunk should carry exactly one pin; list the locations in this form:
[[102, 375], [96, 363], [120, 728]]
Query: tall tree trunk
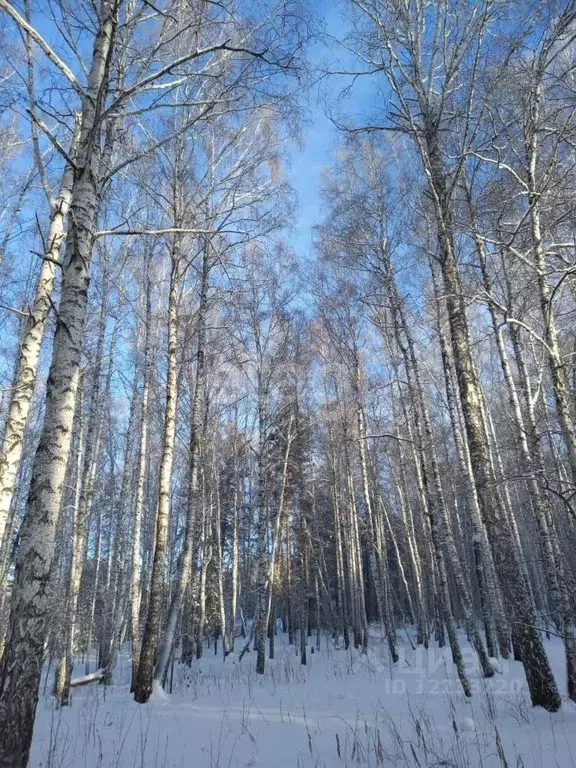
[[235, 554], [205, 549], [136, 571], [143, 684], [98, 589], [116, 592], [29, 352], [24, 650], [262, 553], [436, 502], [541, 683], [490, 601], [281, 514], [555, 363], [411, 545], [84, 511], [304, 586], [378, 555], [95, 588], [340, 569], [354, 553], [219, 563], [64, 670], [552, 567], [185, 565]]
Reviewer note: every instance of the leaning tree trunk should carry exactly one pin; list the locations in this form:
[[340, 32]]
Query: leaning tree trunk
[[432, 503], [555, 359], [436, 501], [29, 352], [387, 523], [541, 683], [24, 650], [490, 601], [560, 599], [534, 440]]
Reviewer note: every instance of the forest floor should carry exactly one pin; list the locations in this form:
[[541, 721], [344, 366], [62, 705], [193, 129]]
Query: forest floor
[[342, 709]]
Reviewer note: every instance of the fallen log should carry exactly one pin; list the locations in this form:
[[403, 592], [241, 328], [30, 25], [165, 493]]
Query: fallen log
[[85, 679]]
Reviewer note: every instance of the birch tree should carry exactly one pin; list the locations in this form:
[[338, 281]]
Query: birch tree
[[405, 45], [103, 98]]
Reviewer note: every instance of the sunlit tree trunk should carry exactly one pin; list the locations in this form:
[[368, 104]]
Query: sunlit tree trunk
[[84, 510], [116, 589], [22, 659], [260, 624], [235, 554], [491, 605], [136, 570], [29, 351], [196, 425], [436, 502], [143, 684], [64, 669], [205, 550], [340, 569], [411, 544], [378, 555], [543, 690], [219, 562], [555, 363], [354, 555]]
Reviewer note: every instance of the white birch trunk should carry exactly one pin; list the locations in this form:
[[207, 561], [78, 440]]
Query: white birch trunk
[[143, 684], [64, 670], [23, 655], [29, 352], [541, 682], [136, 571], [185, 565]]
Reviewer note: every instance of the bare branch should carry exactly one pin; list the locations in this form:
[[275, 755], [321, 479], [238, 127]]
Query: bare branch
[[39, 40]]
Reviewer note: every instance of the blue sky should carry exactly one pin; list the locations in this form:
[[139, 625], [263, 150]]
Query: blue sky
[[320, 136]]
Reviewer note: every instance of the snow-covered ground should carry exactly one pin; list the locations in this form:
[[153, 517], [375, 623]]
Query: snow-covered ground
[[342, 709]]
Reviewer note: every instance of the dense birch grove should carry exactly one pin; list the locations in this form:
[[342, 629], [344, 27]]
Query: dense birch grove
[[210, 437]]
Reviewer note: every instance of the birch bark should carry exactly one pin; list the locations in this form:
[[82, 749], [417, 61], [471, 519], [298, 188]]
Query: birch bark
[[136, 571], [196, 425], [29, 352], [543, 690], [143, 683], [23, 654]]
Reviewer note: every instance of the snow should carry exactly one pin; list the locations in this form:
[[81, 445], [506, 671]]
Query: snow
[[158, 693], [85, 679], [342, 709], [496, 666], [467, 724]]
